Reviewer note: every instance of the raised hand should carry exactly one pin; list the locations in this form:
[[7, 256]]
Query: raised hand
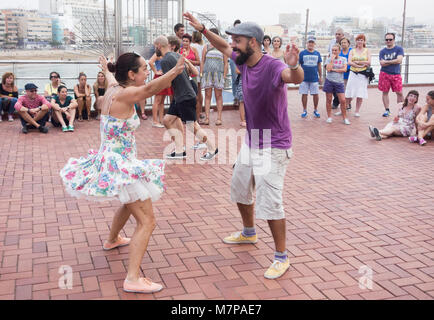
[[103, 63], [193, 21], [292, 54]]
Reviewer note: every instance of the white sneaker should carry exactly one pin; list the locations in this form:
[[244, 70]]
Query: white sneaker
[[10, 118], [199, 146], [357, 115], [347, 122], [339, 113], [329, 120]]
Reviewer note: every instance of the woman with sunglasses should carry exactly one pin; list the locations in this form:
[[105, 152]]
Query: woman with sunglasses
[[113, 172], [51, 88]]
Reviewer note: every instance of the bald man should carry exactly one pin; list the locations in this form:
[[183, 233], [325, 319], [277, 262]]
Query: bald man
[[183, 106]]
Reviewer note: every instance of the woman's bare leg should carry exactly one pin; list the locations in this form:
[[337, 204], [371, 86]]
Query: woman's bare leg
[[219, 100], [144, 215], [119, 220]]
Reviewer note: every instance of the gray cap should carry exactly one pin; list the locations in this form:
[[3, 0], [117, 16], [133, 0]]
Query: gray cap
[[311, 39], [247, 29]]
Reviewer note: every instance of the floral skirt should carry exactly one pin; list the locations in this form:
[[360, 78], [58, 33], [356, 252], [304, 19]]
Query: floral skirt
[[105, 177]]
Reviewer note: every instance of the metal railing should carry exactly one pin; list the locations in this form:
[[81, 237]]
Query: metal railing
[[407, 67], [24, 71], [38, 71]]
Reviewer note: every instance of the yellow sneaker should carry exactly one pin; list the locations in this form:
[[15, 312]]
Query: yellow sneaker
[[238, 238], [277, 269]]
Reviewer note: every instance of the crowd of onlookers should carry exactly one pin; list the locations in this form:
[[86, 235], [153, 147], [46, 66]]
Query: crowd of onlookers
[[345, 76]]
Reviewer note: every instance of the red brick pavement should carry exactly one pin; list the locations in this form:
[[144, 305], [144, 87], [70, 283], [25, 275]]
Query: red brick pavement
[[350, 202]]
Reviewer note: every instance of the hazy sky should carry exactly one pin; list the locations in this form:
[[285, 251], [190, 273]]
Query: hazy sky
[[266, 11]]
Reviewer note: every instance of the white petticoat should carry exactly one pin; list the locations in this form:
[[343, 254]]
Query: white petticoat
[[130, 193]]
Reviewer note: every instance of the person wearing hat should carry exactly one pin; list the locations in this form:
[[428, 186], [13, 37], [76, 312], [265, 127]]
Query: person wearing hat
[[33, 109], [310, 60], [264, 157]]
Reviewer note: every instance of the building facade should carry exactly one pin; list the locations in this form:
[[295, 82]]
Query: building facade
[[9, 36]]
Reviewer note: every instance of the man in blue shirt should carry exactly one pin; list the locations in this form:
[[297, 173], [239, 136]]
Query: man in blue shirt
[[310, 61], [390, 74]]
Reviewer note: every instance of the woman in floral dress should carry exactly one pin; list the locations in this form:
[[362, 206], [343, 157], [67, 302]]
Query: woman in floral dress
[[404, 124], [114, 172]]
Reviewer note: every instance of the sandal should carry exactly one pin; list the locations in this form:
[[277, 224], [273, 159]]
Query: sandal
[[144, 117], [218, 123], [243, 124], [205, 122], [80, 118]]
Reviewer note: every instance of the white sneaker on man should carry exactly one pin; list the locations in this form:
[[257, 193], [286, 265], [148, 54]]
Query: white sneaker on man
[[329, 120]]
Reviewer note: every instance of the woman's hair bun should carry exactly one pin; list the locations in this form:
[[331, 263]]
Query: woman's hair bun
[[111, 67]]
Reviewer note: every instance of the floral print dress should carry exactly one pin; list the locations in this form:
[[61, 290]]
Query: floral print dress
[[406, 123], [114, 172]]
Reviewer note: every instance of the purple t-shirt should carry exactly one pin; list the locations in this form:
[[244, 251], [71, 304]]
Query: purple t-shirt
[[266, 104]]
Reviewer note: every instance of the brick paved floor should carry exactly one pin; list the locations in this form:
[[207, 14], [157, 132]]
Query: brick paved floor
[[350, 202]]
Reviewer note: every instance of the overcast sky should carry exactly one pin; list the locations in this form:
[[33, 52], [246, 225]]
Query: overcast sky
[[267, 11]]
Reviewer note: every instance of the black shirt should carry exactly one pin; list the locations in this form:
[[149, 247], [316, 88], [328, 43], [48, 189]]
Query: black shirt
[[181, 84], [7, 93]]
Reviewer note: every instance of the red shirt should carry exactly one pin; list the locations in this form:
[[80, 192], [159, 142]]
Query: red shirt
[[24, 101]]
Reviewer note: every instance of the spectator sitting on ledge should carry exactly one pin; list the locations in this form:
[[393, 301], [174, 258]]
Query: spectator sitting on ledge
[[33, 109], [64, 108], [8, 95]]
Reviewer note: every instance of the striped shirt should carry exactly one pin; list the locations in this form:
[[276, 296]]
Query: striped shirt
[[24, 101]]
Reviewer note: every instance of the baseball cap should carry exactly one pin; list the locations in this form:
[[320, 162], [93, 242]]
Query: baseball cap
[[30, 86], [247, 29], [311, 39]]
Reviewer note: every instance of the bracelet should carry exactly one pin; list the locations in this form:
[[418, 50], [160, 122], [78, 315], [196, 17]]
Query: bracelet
[[294, 67], [203, 31]]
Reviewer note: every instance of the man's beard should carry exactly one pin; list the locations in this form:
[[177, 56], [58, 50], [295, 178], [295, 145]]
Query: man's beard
[[244, 56], [158, 52]]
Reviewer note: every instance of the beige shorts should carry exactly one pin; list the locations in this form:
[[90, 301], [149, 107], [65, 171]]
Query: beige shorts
[[263, 170]]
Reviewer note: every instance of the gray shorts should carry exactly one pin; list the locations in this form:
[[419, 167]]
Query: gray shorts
[[263, 170]]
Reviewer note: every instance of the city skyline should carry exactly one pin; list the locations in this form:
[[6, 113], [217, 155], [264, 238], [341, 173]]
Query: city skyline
[[228, 10]]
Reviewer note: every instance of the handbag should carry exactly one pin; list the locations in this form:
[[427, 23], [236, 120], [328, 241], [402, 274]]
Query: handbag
[[369, 73]]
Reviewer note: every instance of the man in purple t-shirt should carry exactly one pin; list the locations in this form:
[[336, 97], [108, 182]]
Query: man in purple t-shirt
[[262, 161]]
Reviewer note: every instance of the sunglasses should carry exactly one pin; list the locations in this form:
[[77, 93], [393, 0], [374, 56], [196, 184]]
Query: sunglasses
[[390, 39]]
